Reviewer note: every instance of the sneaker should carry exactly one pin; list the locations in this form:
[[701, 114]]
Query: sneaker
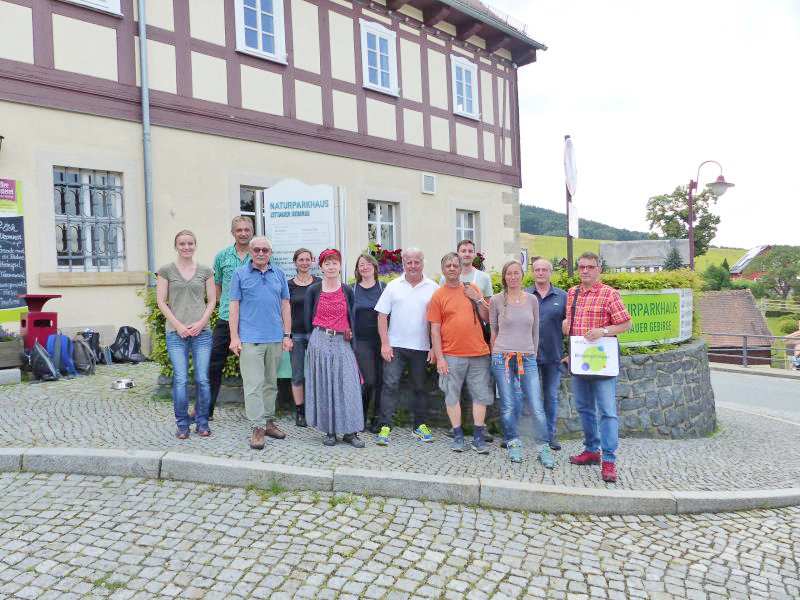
[[329, 440], [353, 440], [423, 433], [609, 472], [458, 445], [585, 458], [515, 451], [182, 433], [383, 436], [479, 445], [555, 445], [545, 457]]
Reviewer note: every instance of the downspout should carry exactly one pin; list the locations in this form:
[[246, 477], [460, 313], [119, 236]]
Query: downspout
[[148, 167]]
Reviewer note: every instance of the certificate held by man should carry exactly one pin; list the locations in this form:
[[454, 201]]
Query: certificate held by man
[[600, 357]]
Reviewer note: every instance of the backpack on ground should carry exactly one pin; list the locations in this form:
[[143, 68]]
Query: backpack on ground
[[105, 355], [42, 364], [83, 356], [127, 345], [93, 339], [59, 347]]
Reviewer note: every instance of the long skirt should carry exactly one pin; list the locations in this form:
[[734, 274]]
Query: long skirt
[[333, 385]]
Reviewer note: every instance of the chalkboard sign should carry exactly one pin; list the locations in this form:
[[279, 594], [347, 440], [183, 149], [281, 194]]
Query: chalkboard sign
[[12, 262]]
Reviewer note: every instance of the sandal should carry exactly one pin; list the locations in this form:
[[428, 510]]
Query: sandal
[[182, 433], [203, 430]]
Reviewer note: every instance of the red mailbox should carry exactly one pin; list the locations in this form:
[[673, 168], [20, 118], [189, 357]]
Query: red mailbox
[[35, 325]]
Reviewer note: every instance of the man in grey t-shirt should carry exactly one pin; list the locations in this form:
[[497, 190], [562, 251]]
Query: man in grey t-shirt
[[469, 274]]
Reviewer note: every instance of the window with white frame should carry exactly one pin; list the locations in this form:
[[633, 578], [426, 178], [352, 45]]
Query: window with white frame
[[465, 87], [111, 6], [251, 204], [260, 29], [467, 226], [382, 224], [89, 220], [379, 57]]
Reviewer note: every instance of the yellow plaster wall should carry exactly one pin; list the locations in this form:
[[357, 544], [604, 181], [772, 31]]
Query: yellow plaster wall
[[159, 13], [489, 146], [16, 32], [487, 97], [308, 102], [305, 28], [343, 62], [206, 20], [413, 132], [85, 48], [209, 78], [381, 119], [437, 79], [411, 70], [440, 134], [160, 66], [466, 140], [262, 90], [345, 111]]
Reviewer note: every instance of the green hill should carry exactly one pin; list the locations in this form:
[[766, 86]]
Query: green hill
[[542, 221], [552, 246]]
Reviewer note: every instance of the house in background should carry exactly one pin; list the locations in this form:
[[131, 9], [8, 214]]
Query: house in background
[[641, 255], [737, 270], [409, 108], [725, 318]]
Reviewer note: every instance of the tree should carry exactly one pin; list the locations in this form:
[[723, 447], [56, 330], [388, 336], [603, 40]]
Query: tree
[[668, 216], [725, 265], [717, 278], [779, 268], [673, 262]]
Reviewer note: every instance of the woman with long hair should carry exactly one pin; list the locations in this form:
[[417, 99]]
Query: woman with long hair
[[366, 341], [186, 295], [333, 386], [298, 287], [514, 322]]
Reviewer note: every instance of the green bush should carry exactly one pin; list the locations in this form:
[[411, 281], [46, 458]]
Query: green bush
[[788, 324], [681, 278]]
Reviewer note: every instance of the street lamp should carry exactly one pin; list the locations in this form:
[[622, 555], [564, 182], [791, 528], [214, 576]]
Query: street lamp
[[719, 187]]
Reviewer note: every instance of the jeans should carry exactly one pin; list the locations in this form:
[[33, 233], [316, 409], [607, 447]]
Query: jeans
[[594, 395], [511, 402], [392, 372], [219, 355], [550, 376], [178, 349]]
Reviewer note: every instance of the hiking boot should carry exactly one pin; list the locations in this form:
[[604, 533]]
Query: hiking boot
[[382, 438], [555, 445], [545, 457], [609, 472], [422, 433], [203, 430], [515, 451], [585, 458], [300, 416], [272, 431], [479, 445], [457, 445], [329, 440], [182, 433], [257, 441], [353, 440]]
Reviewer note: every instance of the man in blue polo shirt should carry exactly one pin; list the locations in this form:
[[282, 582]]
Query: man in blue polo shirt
[[261, 326], [552, 311]]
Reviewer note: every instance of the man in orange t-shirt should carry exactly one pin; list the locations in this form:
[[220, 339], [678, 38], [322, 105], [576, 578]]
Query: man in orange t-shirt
[[462, 355]]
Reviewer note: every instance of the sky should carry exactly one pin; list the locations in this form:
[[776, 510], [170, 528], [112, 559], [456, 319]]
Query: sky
[[648, 91]]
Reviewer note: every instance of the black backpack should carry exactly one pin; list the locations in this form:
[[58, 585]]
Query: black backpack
[[93, 339], [128, 345], [83, 356], [42, 365]]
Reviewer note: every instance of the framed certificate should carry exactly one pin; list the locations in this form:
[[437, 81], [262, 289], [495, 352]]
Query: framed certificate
[[600, 357]]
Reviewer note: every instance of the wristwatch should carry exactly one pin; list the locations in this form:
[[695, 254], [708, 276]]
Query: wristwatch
[[605, 330], [288, 335]]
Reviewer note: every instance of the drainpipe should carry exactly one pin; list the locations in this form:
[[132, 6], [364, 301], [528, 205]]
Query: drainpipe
[[148, 168]]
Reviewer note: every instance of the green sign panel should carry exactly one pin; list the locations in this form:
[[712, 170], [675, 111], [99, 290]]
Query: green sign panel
[[656, 317]]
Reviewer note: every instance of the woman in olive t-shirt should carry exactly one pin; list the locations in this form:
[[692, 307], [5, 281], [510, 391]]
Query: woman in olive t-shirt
[[186, 295]]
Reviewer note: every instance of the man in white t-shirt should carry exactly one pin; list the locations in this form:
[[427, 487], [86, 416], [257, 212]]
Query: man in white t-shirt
[[405, 342], [469, 274]]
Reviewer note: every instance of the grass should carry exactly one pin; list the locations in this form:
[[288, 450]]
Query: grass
[[274, 489], [550, 246]]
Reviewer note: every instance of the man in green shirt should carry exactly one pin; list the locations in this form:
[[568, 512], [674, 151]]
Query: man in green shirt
[[225, 263]]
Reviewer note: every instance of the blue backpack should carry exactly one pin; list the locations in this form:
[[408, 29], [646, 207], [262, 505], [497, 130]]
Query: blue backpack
[[60, 348]]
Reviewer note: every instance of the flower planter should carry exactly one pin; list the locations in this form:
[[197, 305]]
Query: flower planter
[[11, 354]]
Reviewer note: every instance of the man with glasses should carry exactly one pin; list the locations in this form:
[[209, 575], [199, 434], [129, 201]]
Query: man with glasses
[[261, 326], [595, 310]]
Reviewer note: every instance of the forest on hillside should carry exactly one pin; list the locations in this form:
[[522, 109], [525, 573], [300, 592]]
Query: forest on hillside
[[542, 221]]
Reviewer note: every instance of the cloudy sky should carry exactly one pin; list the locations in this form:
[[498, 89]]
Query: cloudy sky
[[648, 91]]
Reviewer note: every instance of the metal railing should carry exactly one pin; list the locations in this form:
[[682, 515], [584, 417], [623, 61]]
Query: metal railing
[[754, 350]]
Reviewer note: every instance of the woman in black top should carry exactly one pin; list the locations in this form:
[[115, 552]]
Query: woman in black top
[[366, 342], [298, 286]]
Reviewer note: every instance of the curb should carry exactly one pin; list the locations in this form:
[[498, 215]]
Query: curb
[[781, 374], [481, 491]]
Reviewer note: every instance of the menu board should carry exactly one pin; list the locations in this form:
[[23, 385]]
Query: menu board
[[12, 251]]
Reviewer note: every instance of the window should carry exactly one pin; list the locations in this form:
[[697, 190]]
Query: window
[[466, 221], [379, 57], [251, 204], [89, 220], [111, 6], [465, 88], [381, 222], [259, 28]]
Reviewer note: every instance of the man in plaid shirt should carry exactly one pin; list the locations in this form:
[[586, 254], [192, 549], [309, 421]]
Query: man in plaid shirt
[[595, 310]]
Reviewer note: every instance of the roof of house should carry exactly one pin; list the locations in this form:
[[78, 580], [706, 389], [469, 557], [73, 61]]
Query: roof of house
[[740, 265], [732, 311]]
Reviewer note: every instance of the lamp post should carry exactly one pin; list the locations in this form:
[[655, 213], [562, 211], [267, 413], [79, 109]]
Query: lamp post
[[719, 187]]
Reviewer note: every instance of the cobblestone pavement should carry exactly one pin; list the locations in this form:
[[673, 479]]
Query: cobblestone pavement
[[85, 412], [67, 537]]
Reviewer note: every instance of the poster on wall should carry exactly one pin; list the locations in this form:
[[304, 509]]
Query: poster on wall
[[297, 215], [13, 279]]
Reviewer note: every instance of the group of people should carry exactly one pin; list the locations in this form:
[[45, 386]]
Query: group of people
[[351, 344]]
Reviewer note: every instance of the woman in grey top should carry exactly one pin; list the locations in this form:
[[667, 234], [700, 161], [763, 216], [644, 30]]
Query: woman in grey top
[[514, 322], [186, 295]]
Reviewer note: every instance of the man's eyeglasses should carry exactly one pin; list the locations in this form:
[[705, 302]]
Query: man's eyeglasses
[[261, 250], [586, 267]]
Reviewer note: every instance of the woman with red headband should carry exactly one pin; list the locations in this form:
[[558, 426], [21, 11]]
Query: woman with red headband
[[333, 384]]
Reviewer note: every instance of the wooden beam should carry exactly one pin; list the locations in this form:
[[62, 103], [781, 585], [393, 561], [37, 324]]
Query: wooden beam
[[525, 57], [467, 30], [436, 14], [396, 4], [496, 42]]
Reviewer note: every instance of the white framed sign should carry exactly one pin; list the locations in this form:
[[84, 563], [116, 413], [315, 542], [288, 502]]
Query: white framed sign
[[600, 357]]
